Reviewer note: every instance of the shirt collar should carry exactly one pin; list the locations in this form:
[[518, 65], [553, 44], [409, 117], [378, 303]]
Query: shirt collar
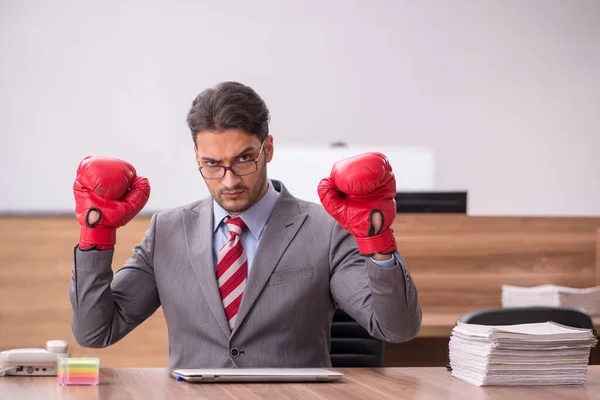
[[255, 217]]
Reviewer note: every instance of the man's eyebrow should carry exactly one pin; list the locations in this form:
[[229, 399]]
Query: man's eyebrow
[[246, 150], [241, 153]]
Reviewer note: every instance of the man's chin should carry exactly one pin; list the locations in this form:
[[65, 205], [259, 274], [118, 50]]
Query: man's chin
[[234, 206]]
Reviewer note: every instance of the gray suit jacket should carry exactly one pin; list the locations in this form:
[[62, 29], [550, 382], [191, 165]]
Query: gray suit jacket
[[305, 266]]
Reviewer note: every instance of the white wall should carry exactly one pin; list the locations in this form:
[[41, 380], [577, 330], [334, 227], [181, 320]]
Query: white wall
[[506, 94]]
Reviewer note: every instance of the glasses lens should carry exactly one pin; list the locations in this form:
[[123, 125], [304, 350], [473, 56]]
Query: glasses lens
[[244, 168], [212, 172]]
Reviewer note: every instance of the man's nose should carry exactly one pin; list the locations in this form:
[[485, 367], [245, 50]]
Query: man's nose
[[230, 179]]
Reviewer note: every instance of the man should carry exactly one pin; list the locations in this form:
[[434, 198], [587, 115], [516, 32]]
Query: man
[[251, 276]]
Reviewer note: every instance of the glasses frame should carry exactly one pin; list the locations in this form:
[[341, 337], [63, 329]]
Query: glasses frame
[[230, 168]]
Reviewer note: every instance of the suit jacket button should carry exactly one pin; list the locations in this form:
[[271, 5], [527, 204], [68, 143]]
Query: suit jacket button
[[234, 352]]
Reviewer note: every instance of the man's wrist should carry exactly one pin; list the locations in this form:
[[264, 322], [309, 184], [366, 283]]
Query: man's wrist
[[101, 238], [386, 261], [381, 257]]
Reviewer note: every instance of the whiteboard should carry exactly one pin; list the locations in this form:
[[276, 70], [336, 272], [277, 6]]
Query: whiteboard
[[301, 168]]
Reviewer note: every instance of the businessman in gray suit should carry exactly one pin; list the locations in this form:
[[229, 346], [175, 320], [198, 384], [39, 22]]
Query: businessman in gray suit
[[251, 276]]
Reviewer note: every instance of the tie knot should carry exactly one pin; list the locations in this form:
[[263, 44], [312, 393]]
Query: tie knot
[[235, 225]]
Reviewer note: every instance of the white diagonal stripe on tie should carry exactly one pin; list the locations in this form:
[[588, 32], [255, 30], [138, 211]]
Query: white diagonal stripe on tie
[[228, 246], [232, 321], [232, 270], [234, 294]]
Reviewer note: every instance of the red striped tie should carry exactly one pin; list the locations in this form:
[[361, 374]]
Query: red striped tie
[[232, 270]]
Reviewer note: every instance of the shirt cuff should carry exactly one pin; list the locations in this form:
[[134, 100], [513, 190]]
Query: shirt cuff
[[387, 264]]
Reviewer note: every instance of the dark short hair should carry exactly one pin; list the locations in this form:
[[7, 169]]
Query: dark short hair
[[229, 105]]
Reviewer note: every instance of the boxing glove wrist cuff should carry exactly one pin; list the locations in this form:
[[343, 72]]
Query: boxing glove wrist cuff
[[102, 238], [384, 243]]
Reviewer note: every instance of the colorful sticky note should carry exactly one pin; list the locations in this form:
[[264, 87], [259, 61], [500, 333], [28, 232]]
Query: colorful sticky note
[[79, 371]]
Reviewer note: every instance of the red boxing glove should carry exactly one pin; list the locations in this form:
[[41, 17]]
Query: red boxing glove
[[357, 188], [112, 188]]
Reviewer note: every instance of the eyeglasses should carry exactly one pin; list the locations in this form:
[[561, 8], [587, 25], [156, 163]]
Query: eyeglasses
[[239, 169]]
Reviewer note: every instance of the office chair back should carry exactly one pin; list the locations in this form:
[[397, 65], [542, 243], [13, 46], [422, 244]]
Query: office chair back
[[574, 317], [351, 344]]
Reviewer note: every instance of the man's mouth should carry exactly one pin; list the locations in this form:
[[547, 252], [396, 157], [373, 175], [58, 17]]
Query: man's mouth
[[232, 195]]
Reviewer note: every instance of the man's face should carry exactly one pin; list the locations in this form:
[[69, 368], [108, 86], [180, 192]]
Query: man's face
[[223, 149]]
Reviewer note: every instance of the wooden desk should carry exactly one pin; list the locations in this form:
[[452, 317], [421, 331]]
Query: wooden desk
[[382, 383]]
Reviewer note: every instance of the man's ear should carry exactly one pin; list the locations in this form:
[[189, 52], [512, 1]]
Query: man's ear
[[269, 148]]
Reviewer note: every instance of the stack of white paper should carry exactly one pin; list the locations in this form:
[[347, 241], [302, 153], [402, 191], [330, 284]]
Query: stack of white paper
[[527, 354], [552, 296]]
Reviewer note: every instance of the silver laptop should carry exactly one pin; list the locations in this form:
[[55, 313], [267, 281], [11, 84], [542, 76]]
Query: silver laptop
[[256, 375]]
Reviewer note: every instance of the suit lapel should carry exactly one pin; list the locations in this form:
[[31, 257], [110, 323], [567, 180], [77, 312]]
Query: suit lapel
[[198, 227], [283, 225]]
